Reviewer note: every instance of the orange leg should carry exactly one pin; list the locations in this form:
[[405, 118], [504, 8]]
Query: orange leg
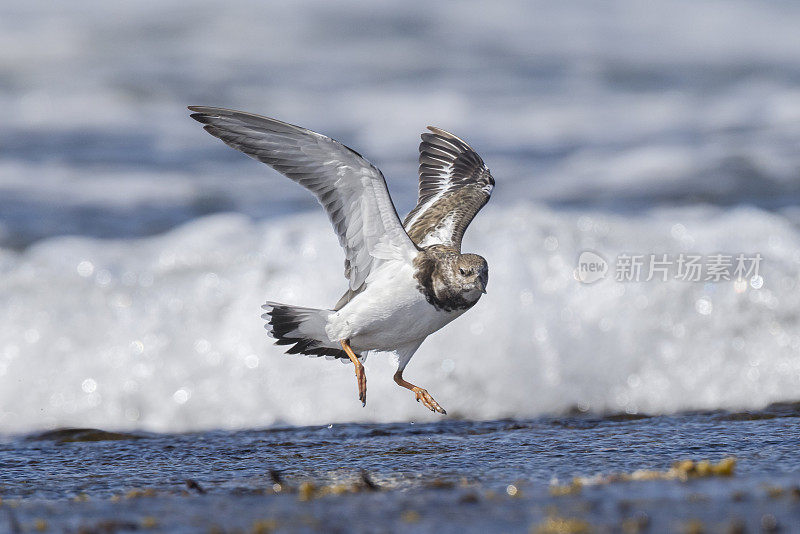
[[361, 376], [421, 394]]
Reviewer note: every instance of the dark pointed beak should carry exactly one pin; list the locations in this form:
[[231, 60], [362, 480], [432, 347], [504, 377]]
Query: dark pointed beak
[[481, 284]]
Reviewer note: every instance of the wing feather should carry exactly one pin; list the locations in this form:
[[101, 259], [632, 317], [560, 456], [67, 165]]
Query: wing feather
[[351, 189], [454, 184]]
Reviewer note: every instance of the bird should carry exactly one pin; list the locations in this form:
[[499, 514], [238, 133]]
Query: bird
[[406, 280]]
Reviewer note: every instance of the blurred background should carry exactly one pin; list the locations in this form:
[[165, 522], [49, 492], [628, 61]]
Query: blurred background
[[136, 250]]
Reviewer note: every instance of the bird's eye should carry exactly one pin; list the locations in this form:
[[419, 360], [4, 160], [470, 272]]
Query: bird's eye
[[463, 272]]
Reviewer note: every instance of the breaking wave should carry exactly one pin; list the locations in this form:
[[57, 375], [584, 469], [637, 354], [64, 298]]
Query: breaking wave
[[164, 333]]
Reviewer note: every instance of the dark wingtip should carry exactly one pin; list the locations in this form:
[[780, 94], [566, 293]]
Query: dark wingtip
[[447, 135], [205, 109], [204, 114], [439, 131]]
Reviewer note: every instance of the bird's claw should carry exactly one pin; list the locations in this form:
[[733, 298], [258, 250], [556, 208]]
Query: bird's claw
[[428, 400], [361, 378]]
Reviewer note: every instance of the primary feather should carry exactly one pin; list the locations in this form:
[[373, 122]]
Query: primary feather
[[454, 184], [351, 189]]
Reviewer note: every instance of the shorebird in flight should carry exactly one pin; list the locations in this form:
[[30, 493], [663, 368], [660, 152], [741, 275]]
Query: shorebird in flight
[[406, 280]]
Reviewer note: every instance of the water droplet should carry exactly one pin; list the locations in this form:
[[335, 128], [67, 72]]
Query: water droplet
[[31, 335], [89, 385], [181, 396], [703, 306], [551, 243], [103, 278], [85, 268]]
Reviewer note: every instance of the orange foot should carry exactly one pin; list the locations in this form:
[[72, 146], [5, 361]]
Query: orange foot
[[361, 376], [427, 400], [421, 394]]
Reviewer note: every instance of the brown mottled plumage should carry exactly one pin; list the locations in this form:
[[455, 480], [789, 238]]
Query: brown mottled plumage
[[454, 184], [462, 205], [449, 280]]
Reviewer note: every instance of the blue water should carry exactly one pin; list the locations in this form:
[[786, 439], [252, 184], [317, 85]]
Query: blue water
[[621, 106], [449, 476]]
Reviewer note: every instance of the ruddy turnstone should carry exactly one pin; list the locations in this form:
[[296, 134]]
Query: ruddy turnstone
[[406, 280]]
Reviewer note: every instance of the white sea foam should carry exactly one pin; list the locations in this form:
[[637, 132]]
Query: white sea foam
[[164, 332]]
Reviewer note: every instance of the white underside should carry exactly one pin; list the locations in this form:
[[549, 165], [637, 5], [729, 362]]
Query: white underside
[[391, 314]]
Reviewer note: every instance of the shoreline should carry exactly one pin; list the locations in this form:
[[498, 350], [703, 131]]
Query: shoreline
[[579, 473]]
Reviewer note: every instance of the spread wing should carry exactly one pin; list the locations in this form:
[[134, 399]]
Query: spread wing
[[352, 190], [454, 184]]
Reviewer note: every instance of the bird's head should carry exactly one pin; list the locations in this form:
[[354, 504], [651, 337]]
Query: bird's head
[[471, 273]]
